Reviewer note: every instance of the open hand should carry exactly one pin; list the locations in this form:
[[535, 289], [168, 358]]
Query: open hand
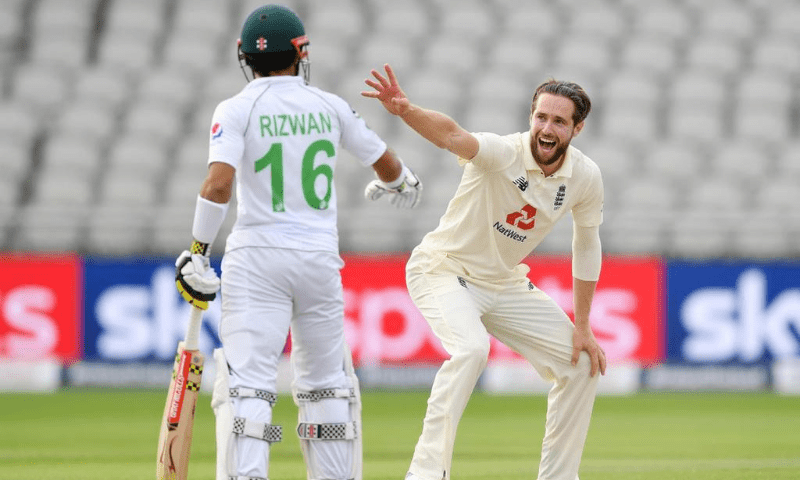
[[387, 91]]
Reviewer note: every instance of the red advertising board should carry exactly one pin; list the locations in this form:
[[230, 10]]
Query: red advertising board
[[40, 311], [384, 327]]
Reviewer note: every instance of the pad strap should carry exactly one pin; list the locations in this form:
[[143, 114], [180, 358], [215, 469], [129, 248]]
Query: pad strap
[[327, 431], [317, 395], [234, 477], [262, 431], [253, 393]]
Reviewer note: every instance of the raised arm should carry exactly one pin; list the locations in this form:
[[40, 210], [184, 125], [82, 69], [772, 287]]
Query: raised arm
[[434, 126]]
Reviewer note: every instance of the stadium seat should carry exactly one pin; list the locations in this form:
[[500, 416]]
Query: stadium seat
[[516, 54], [764, 91], [761, 126], [741, 159], [143, 19], [649, 54], [602, 20], [118, 230], [169, 86], [717, 55], [702, 124], [675, 160], [207, 18], [60, 187], [64, 48], [584, 53], [380, 48], [408, 20], [18, 122], [41, 88], [784, 20], [700, 235], [697, 89], [615, 156], [633, 123], [158, 121], [14, 161], [129, 51], [776, 53], [730, 20], [204, 55], [471, 21], [69, 153], [51, 227], [104, 85], [86, 121], [631, 87], [537, 20], [667, 20], [124, 187], [454, 54], [338, 23], [139, 154]]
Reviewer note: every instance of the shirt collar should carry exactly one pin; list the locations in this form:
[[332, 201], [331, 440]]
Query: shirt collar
[[530, 163], [276, 80]]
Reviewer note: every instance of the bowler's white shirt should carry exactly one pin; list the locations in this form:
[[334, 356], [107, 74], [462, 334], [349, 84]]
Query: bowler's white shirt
[[505, 206]]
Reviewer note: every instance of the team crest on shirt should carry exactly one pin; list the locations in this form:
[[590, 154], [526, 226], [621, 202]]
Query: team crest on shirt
[[560, 194], [216, 131]]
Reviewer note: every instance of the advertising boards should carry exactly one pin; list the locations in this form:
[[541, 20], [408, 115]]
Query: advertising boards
[[40, 307]]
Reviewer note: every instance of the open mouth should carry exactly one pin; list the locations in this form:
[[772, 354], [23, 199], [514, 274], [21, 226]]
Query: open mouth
[[547, 144]]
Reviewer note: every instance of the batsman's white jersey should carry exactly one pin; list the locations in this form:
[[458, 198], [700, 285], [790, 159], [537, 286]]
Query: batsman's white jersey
[[282, 137], [505, 206]]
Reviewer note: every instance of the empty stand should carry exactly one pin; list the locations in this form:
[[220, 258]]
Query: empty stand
[[105, 107]]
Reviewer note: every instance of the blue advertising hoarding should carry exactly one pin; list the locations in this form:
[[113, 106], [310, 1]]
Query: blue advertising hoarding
[[732, 312], [133, 311]]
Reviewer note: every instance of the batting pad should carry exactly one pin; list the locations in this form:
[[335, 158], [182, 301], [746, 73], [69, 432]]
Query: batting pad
[[329, 428], [229, 427]]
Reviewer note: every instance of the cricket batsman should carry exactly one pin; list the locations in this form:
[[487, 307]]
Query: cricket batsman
[[278, 141]]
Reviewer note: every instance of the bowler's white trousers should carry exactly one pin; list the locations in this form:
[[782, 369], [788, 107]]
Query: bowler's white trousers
[[265, 291], [463, 314]]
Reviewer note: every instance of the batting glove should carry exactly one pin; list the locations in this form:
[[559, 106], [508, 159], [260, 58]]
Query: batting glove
[[405, 195], [197, 282]]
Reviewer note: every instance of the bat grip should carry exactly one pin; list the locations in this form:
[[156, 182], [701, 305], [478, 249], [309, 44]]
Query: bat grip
[[192, 340]]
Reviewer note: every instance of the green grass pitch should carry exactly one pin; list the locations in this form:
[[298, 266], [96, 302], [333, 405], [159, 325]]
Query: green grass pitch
[[94, 434]]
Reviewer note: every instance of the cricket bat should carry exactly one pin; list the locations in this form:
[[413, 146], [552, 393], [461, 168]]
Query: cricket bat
[[175, 438]]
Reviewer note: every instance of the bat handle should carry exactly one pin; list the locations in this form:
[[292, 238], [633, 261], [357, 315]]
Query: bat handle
[[192, 340]]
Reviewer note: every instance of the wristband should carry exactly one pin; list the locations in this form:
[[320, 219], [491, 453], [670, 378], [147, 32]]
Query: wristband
[[208, 218]]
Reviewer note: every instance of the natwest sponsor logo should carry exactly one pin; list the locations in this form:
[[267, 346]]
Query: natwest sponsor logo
[[39, 308], [734, 313], [384, 326]]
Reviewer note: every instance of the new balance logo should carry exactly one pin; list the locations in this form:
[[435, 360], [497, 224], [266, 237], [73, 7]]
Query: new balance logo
[[521, 183]]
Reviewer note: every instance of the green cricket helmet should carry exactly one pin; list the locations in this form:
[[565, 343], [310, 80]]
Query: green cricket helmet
[[274, 29]]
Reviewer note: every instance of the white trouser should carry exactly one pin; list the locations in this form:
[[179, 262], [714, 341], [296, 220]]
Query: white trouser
[[463, 315], [266, 291]]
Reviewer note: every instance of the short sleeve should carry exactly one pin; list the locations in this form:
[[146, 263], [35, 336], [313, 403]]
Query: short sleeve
[[357, 137], [495, 152]]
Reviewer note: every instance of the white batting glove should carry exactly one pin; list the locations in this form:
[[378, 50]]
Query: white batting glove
[[406, 194], [196, 280]]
